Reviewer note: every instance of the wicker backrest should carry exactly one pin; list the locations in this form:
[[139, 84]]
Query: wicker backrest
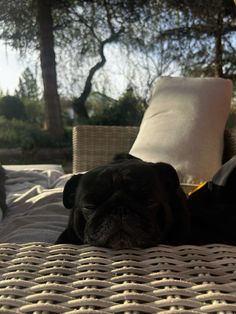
[[95, 145], [229, 144]]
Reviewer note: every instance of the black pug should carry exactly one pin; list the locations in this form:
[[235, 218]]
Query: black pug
[[127, 203], [3, 205]]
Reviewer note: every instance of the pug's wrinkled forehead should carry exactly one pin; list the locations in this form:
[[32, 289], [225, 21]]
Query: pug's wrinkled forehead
[[133, 177], [118, 174]]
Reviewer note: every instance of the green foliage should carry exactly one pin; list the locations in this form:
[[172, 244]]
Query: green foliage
[[128, 110], [16, 21], [34, 111], [202, 36], [28, 92], [231, 122], [11, 107], [16, 133], [27, 86]]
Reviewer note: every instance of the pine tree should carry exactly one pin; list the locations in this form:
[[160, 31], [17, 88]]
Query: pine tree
[[27, 86]]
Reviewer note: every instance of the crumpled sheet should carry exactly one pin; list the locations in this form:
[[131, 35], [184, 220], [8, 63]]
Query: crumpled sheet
[[35, 210]]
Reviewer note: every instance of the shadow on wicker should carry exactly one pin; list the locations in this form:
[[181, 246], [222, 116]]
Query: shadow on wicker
[[44, 278]]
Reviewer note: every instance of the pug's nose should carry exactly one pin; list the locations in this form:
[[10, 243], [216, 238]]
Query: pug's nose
[[121, 213], [122, 210]]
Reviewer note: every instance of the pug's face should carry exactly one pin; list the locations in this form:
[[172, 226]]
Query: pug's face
[[124, 204]]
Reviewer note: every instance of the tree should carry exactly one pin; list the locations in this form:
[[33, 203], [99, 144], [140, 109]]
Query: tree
[[203, 36], [92, 24], [184, 37], [27, 86], [11, 107], [128, 110], [100, 23], [79, 103], [48, 67], [179, 34], [29, 24], [28, 92]]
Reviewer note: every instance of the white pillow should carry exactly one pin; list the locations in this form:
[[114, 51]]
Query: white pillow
[[184, 126]]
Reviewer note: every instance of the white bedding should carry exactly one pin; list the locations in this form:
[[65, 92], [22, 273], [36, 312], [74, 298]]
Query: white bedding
[[35, 210]]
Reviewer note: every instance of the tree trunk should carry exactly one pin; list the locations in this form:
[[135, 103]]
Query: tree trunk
[[79, 103], [53, 117]]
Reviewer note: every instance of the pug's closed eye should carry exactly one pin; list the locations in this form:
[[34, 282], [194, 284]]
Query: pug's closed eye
[[88, 210]]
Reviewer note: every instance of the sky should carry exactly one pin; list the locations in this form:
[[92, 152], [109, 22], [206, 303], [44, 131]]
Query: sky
[[11, 67], [114, 76]]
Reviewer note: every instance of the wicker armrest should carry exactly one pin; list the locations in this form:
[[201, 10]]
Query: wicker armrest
[[43, 278], [95, 145]]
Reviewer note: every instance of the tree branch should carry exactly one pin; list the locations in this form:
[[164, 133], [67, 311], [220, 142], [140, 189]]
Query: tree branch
[[79, 103]]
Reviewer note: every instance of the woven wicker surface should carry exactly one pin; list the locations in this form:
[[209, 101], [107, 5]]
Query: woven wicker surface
[[43, 278], [230, 144], [95, 145]]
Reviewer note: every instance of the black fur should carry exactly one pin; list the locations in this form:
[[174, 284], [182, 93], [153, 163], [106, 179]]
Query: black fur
[[127, 203]]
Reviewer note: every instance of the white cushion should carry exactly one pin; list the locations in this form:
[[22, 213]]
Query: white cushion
[[184, 126]]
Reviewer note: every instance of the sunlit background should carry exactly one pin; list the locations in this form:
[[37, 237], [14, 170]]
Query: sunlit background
[[108, 55]]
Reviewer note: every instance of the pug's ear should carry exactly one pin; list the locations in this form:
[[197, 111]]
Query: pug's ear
[[177, 201], [167, 176], [70, 191]]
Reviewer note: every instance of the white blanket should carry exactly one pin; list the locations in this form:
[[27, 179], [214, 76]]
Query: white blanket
[[35, 210]]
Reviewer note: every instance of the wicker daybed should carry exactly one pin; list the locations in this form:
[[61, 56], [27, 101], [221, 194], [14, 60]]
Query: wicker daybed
[[47, 278]]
